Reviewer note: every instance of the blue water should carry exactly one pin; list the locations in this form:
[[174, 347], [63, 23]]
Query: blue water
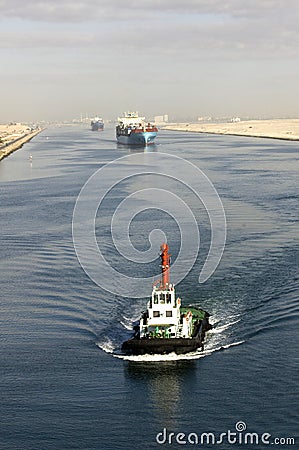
[[63, 384]]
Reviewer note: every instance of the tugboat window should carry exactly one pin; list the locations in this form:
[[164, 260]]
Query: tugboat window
[[168, 298], [156, 298], [156, 313], [168, 313]]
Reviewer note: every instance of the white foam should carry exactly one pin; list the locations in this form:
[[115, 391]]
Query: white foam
[[157, 358], [174, 356], [107, 346], [219, 329], [216, 341], [128, 322], [126, 326]]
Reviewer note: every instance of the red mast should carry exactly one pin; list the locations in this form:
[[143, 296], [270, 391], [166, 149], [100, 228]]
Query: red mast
[[165, 264]]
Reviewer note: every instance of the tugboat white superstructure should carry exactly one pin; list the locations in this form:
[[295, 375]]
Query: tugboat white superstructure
[[167, 326]]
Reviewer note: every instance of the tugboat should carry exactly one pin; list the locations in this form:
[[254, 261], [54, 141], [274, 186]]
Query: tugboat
[[167, 326], [133, 130], [97, 124]]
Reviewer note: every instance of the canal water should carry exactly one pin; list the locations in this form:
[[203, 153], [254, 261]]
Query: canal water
[[64, 382]]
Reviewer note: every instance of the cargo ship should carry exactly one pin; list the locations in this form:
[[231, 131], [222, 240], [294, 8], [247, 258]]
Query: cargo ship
[[97, 124], [134, 130], [167, 326]]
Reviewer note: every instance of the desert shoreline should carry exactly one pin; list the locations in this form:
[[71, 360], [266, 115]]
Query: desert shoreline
[[13, 137], [285, 129]]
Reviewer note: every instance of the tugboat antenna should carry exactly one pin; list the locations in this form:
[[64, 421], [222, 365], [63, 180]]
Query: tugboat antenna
[[165, 264]]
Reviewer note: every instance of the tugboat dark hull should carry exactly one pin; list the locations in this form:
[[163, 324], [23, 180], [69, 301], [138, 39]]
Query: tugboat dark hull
[[152, 346]]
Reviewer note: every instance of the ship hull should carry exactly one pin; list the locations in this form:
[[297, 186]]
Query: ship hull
[[142, 138], [97, 127], [142, 346]]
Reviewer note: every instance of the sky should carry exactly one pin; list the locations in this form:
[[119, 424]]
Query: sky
[[185, 58]]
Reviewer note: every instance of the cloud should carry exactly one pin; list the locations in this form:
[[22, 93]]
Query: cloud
[[89, 10], [193, 52], [218, 28], [183, 37]]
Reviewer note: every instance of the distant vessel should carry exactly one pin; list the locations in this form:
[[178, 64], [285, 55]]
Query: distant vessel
[[133, 130], [167, 326], [97, 124]]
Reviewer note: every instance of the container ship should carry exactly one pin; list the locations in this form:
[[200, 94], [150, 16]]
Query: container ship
[[97, 124], [134, 130], [167, 326]]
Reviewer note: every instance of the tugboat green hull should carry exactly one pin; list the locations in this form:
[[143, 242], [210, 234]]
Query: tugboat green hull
[[159, 345]]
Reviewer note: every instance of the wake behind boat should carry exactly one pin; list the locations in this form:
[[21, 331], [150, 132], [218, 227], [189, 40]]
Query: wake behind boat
[[134, 130], [167, 326]]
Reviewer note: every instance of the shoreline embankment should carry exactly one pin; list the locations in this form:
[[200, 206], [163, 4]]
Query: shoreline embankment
[[12, 145], [285, 129]]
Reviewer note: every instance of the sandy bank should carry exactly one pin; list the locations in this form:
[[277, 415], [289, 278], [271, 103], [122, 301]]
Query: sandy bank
[[13, 137], [275, 129]]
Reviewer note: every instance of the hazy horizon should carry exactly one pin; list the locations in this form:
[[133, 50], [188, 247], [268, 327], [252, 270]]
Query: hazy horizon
[[185, 59]]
